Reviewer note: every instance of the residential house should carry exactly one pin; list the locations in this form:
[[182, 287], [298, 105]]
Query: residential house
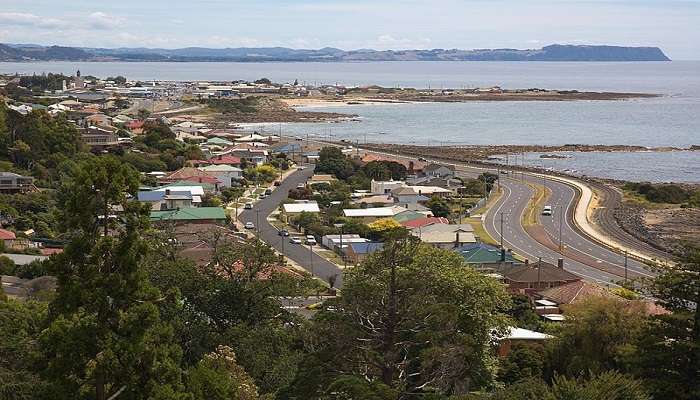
[[575, 292], [190, 174], [445, 236], [369, 214], [290, 210], [8, 238], [409, 195], [333, 242], [98, 120], [487, 258], [225, 159], [217, 141], [320, 178], [225, 173], [402, 215], [532, 277], [519, 335], [425, 221], [169, 199], [13, 183], [413, 167], [194, 215], [385, 187], [377, 200], [358, 252], [439, 171], [311, 157], [99, 138], [135, 126]]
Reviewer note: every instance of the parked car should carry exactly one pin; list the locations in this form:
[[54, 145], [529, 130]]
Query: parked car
[[283, 232], [248, 206], [547, 210], [262, 196], [310, 240], [249, 225], [301, 186], [301, 168], [268, 192], [277, 183], [295, 240]]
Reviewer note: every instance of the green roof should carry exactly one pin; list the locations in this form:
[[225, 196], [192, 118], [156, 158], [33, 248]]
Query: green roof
[[219, 141], [189, 214], [408, 215], [481, 253]]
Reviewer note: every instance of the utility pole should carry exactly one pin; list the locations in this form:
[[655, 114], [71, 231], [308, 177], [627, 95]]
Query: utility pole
[[311, 259], [561, 220], [501, 229], [257, 222]]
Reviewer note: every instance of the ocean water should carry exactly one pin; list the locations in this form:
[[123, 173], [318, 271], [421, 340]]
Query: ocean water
[[670, 120], [657, 167]]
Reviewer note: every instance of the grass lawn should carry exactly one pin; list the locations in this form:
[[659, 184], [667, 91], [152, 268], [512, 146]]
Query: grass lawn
[[479, 230], [531, 216]]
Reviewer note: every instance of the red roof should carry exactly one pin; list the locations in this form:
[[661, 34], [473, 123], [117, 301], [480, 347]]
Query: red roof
[[228, 160], [421, 222], [7, 235], [50, 251], [201, 179], [135, 124]]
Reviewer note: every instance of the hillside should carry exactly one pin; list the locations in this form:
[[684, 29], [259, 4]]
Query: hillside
[[328, 54]]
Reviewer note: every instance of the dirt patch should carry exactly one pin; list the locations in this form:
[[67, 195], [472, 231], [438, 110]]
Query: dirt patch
[[263, 109], [667, 228]]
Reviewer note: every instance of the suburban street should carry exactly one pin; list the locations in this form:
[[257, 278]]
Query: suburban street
[[300, 254]]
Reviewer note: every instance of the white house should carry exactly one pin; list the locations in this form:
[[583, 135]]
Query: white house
[[445, 236], [297, 208], [227, 174], [385, 187]]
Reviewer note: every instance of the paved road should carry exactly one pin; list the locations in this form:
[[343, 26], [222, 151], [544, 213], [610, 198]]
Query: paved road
[[581, 255], [300, 254]]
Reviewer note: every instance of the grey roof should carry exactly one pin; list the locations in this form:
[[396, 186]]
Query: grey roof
[[24, 259], [366, 248]]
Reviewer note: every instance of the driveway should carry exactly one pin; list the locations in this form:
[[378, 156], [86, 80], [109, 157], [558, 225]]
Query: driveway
[[300, 254]]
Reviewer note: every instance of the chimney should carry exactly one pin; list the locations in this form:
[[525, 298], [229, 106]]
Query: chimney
[[167, 192], [560, 263]]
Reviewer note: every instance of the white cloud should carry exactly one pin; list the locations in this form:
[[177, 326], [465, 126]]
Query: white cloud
[[104, 21], [26, 19]]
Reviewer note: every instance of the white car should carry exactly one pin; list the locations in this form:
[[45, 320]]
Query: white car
[[295, 240], [249, 225], [547, 210], [310, 240]]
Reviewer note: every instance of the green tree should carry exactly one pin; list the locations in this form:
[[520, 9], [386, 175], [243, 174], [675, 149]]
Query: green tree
[[20, 326], [524, 361], [598, 335], [333, 161], [669, 355], [439, 207], [219, 377], [105, 335], [412, 317]]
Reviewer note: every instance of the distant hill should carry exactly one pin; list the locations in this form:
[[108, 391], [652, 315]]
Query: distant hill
[[18, 52]]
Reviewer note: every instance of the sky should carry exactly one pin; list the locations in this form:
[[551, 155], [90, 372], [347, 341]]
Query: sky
[[673, 25]]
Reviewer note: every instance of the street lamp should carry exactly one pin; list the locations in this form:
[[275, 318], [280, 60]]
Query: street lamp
[[311, 259], [342, 255]]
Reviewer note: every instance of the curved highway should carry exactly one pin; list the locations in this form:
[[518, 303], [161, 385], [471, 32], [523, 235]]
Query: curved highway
[[582, 255]]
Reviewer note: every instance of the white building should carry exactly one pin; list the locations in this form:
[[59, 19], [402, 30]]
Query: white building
[[227, 174]]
